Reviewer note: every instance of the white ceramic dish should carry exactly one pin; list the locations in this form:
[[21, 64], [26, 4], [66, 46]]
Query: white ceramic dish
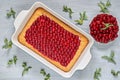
[[22, 19]]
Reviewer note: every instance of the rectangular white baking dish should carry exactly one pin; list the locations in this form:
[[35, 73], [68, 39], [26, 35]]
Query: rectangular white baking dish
[[22, 19]]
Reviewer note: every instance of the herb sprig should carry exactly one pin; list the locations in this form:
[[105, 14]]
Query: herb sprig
[[69, 10], [107, 25], [110, 58], [26, 68], [42, 71], [115, 73], [15, 59], [83, 17], [7, 44], [10, 13], [104, 6], [97, 74], [12, 61], [46, 75]]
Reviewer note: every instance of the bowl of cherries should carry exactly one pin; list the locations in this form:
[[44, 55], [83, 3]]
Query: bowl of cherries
[[104, 29]]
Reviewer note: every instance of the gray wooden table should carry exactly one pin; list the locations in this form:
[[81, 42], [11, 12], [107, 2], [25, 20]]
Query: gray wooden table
[[90, 6]]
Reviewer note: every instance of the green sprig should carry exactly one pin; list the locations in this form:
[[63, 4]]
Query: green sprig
[[15, 59], [108, 4], [26, 68], [11, 13], [7, 44], [115, 73], [83, 17], [97, 74], [42, 71], [12, 61], [104, 6], [107, 25], [69, 10], [110, 58], [47, 75]]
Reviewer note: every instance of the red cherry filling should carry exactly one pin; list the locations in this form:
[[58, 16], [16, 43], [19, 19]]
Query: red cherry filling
[[52, 40], [104, 28]]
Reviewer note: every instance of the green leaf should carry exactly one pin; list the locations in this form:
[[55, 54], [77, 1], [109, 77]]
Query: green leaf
[[29, 67], [26, 68], [113, 61], [104, 7], [10, 62], [103, 4], [80, 22], [15, 59], [108, 4], [6, 40], [24, 64], [11, 13], [110, 58], [83, 17], [106, 58], [8, 15], [97, 74], [7, 44], [47, 77], [24, 72], [69, 10], [42, 71], [65, 9], [115, 73]]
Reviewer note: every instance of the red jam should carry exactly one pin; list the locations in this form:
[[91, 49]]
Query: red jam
[[52, 40]]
